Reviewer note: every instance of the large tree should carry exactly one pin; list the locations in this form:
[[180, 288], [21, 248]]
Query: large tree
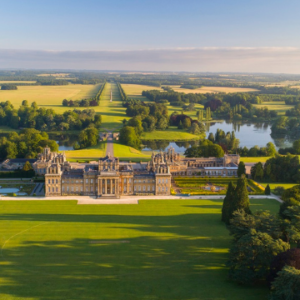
[[287, 285], [241, 169], [226, 209], [250, 257], [241, 198]]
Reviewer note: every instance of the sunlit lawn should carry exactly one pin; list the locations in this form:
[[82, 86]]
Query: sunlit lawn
[[91, 152], [154, 250], [128, 152]]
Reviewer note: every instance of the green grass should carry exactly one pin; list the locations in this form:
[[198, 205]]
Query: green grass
[[279, 106], [273, 185], [261, 159], [113, 113], [5, 129], [173, 250], [124, 151], [91, 152], [172, 134]]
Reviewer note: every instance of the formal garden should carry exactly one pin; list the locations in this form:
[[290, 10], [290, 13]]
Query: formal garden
[[211, 185]]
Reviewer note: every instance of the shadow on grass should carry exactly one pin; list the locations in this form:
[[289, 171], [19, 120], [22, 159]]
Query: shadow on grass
[[164, 257]]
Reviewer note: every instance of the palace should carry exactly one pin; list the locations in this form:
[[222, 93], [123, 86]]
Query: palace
[[110, 178]]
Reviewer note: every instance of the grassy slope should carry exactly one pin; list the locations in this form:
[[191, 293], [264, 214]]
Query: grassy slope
[[172, 134], [249, 159], [170, 250], [91, 152], [128, 152], [273, 185], [49, 96]]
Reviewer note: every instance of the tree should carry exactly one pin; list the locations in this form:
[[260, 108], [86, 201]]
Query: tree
[[267, 190], [257, 171], [27, 166], [186, 123], [211, 137], [226, 209], [195, 129], [241, 169], [270, 149], [241, 198], [180, 125], [129, 137], [287, 285], [296, 147], [250, 257], [24, 103], [290, 258]]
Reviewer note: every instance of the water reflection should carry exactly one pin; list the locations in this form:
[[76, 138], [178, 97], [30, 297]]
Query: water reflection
[[249, 134]]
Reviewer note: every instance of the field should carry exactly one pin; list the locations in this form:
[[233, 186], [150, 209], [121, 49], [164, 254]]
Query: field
[[172, 134], [249, 159], [49, 96], [155, 250], [279, 106], [273, 185], [212, 89], [123, 151], [91, 152], [16, 81]]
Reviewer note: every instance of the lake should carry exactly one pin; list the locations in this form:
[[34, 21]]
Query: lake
[[249, 135]]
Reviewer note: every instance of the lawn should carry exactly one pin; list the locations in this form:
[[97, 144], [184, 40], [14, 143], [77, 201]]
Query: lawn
[[273, 185], [248, 159], [91, 152], [279, 106], [49, 96], [113, 113], [154, 250], [212, 89], [123, 151], [171, 134]]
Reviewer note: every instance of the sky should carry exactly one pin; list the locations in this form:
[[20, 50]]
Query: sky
[[152, 35]]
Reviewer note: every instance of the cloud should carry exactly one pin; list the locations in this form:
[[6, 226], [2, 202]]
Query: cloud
[[208, 59]]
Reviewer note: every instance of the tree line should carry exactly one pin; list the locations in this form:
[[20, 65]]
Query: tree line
[[46, 119]]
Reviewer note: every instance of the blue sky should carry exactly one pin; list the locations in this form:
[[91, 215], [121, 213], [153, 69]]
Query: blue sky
[[132, 25]]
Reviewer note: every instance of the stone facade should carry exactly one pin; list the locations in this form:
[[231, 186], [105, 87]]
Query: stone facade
[[110, 178]]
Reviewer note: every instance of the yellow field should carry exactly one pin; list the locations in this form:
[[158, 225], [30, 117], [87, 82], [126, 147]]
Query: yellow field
[[212, 89], [136, 89], [49, 96], [15, 81], [61, 75]]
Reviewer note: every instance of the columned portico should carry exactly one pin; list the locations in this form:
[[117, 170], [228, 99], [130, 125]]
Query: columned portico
[[108, 186]]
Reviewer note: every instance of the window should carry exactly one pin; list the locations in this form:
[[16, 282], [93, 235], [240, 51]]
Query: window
[[86, 181], [130, 189], [49, 181], [134, 188], [91, 189], [125, 180], [63, 181], [162, 181], [159, 189], [76, 181], [144, 188], [81, 189], [92, 180], [72, 189], [125, 189], [63, 188], [67, 188], [139, 187], [56, 180], [166, 180], [158, 180], [53, 190], [76, 188], [153, 188], [129, 180], [52, 180], [148, 188], [87, 189], [49, 190], [57, 190]]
